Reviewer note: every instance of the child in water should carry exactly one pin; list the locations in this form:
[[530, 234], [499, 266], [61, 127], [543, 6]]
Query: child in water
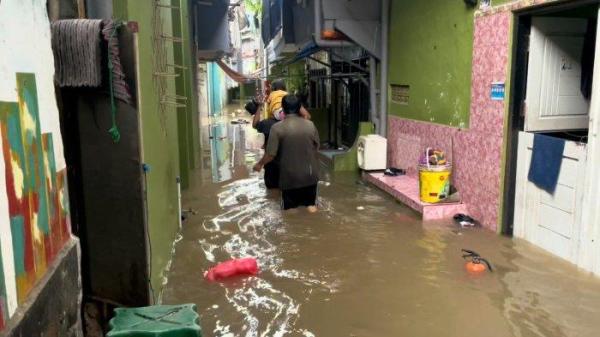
[[273, 102], [273, 107]]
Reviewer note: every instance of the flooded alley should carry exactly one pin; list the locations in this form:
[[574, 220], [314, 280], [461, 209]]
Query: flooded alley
[[437, 162], [364, 265]]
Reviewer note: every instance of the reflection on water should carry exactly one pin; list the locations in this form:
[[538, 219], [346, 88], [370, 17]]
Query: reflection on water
[[363, 266], [220, 149], [229, 150]]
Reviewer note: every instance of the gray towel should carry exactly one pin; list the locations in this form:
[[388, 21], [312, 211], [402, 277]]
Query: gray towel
[[120, 87], [77, 46], [77, 52]]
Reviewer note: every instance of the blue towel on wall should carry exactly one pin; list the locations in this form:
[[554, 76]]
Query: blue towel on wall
[[545, 162]]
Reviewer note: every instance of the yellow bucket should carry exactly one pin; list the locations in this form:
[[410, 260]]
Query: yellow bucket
[[434, 182]]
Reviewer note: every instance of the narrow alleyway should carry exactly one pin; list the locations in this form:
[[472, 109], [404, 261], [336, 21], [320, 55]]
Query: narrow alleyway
[[363, 266]]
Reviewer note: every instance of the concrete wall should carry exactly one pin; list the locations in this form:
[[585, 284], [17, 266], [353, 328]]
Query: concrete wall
[[217, 88], [53, 307], [473, 134], [476, 152], [431, 46], [203, 93], [293, 75], [34, 211], [430, 50], [160, 131]]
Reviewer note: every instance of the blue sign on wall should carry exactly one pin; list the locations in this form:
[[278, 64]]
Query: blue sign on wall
[[498, 91]]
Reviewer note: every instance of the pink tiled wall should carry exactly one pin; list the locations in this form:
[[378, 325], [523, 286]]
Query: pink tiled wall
[[513, 6], [475, 152]]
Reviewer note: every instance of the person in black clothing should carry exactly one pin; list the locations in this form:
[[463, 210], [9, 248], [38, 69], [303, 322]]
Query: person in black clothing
[[264, 126], [295, 142]]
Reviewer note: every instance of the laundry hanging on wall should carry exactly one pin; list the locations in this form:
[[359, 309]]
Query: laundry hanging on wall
[[546, 161], [77, 45], [77, 52], [120, 89]]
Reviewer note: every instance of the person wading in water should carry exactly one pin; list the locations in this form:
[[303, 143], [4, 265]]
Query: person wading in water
[[295, 142], [264, 126]]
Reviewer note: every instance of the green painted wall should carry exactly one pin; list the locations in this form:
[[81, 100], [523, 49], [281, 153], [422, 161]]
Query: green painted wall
[[348, 161], [159, 131], [431, 44], [188, 121], [293, 74]]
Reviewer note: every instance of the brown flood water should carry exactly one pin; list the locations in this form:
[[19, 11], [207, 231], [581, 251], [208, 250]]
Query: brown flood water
[[375, 272]]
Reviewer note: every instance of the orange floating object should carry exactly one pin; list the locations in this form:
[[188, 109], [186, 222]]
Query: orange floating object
[[475, 263], [475, 268]]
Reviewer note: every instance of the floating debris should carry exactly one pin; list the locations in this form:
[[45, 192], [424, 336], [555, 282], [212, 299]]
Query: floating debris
[[474, 263]]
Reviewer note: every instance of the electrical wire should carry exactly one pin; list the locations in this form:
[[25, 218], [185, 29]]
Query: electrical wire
[[145, 170]]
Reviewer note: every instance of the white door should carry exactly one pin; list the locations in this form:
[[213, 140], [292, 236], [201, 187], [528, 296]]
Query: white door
[[554, 100], [551, 221], [590, 235]]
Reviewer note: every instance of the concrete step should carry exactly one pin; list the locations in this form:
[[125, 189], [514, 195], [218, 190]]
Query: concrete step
[[406, 190]]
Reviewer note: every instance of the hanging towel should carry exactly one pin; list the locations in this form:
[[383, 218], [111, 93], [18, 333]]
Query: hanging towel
[[77, 52], [120, 87], [78, 60], [546, 160]]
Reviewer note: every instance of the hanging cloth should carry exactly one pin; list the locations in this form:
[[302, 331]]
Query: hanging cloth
[[120, 88], [77, 46], [234, 75], [77, 52], [546, 160]]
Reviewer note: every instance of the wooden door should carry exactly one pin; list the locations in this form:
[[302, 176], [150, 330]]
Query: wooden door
[[554, 100], [551, 221]]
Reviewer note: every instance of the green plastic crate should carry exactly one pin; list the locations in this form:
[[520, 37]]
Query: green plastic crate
[[156, 321]]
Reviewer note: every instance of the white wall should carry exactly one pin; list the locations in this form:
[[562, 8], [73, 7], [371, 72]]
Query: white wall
[[25, 46]]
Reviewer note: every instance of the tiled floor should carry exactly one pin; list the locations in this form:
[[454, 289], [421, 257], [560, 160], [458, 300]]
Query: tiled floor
[[406, 190]]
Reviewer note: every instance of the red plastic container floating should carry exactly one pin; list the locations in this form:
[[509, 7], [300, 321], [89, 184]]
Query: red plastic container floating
[[235, 267]]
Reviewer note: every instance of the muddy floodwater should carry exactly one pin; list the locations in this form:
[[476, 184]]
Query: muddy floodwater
[[364, 265]]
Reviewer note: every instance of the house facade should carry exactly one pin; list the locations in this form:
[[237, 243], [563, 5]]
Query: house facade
[[460, 79]]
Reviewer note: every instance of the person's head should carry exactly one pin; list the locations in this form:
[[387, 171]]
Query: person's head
[[291, 104], [278, 84]]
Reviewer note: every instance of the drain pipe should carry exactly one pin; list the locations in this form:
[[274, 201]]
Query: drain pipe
[[383, 88], [318, 11], [179, 205], [373, 91]]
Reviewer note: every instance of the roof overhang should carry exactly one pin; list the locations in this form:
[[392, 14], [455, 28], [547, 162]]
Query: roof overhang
[[212, 28]]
